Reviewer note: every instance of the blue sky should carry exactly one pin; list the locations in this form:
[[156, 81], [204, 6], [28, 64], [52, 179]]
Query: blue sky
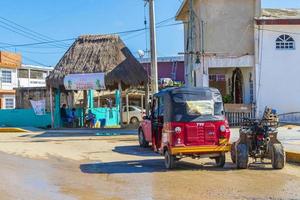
[[63, 19]]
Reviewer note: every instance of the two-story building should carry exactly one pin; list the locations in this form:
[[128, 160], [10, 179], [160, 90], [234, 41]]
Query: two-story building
[[14, 75], [9, 65], [219, 45]]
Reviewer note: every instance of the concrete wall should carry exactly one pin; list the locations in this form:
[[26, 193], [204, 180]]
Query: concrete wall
[[165, 70], [23, 118], [278, 82], [228, 25]]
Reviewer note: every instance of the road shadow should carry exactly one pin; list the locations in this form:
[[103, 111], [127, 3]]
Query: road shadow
[[135, 150], [85, 133], [146, 166]]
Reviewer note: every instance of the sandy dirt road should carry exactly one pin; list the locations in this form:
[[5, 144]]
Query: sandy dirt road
[[36, 166]]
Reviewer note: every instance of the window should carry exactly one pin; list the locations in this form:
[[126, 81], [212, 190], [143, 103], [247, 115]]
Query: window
[[9, 103], [285, 42], [6, 76], [35, 74], [217, 77], [23, 73]]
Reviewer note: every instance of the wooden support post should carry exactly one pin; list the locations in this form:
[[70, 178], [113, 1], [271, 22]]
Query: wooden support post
[[51, 108], [127, 108], [91, 99], [99, 99], [57, 120], [142, 101], [121, 105]]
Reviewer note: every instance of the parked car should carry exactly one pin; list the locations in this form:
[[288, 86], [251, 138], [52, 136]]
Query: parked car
[[136, 114]]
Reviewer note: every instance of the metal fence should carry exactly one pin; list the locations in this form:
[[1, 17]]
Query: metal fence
[[236, 118], [235, 113], [290, 118]]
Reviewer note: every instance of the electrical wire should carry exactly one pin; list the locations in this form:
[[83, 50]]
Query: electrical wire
[[25, 28], [23, 33]]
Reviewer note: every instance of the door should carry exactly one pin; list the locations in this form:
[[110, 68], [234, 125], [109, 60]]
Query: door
[[157, 120], [237, 86]]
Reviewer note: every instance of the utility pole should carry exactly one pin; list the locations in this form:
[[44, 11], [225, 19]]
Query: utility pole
[[190, 68], [154, 77]]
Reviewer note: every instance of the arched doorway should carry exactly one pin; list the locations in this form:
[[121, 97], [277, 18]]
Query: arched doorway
[[237, 86]]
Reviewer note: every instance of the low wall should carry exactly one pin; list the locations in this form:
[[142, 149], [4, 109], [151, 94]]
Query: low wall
[[23, 118]]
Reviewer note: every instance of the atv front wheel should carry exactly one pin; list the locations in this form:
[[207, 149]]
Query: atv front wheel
[[220, 161], [242, 156], [277, 156]]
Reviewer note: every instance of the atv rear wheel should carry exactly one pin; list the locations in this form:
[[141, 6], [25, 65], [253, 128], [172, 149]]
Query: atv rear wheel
[[233, 152], [220, 161], [242, 156], [277, 156]]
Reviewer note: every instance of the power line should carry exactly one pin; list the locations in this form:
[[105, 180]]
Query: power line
[[22, 33], [34, 61], [27, 30], [37, 43], [70, 39]]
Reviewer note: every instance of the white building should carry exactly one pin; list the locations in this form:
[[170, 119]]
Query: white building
[[32, 76], [14, 75], [278, 66]]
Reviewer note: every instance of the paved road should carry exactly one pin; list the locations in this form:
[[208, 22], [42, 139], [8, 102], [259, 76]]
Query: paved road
[[36, 166]]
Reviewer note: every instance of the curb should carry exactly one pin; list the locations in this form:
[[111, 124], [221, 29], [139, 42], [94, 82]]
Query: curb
[[12, 130], [292, 157]]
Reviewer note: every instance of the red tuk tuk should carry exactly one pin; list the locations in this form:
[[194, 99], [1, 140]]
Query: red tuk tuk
[[186, 122]]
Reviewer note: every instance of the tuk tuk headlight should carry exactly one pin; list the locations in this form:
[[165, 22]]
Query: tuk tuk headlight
[[222, 128], [177, 129]]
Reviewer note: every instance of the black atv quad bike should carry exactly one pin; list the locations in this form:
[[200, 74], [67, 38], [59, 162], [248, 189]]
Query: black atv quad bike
[[258, 140]]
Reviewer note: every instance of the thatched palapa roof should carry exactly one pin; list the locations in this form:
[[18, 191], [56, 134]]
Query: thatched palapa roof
[[100, 53]]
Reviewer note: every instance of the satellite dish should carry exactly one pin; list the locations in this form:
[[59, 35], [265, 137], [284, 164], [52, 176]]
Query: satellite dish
[[141, 53]]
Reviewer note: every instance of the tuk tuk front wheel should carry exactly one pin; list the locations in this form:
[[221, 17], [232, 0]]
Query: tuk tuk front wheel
[[169, 160], [142, 140], [220, 161]]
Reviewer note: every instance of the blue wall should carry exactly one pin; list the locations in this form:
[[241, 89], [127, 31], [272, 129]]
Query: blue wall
[[23, 118]]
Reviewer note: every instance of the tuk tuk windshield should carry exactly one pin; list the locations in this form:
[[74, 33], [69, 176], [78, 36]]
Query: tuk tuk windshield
[[204, 107], [200, 104]]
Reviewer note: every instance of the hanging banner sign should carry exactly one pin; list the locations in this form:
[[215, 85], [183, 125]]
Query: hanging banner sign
[[93, 81], [39, 107]]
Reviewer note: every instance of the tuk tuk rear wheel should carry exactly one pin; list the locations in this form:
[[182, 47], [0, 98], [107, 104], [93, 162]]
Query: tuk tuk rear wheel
[[142, 140], [278, 156], [169, 160], [220, 161]]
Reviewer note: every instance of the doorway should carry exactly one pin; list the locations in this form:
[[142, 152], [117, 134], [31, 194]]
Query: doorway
[[237, 86]]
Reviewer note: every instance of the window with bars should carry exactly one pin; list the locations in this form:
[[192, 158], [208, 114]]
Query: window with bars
[[217, 77], [9, 103], [6, 76], [285, 42]]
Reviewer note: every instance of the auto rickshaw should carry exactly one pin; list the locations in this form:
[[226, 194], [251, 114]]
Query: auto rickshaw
[[186, 122]]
